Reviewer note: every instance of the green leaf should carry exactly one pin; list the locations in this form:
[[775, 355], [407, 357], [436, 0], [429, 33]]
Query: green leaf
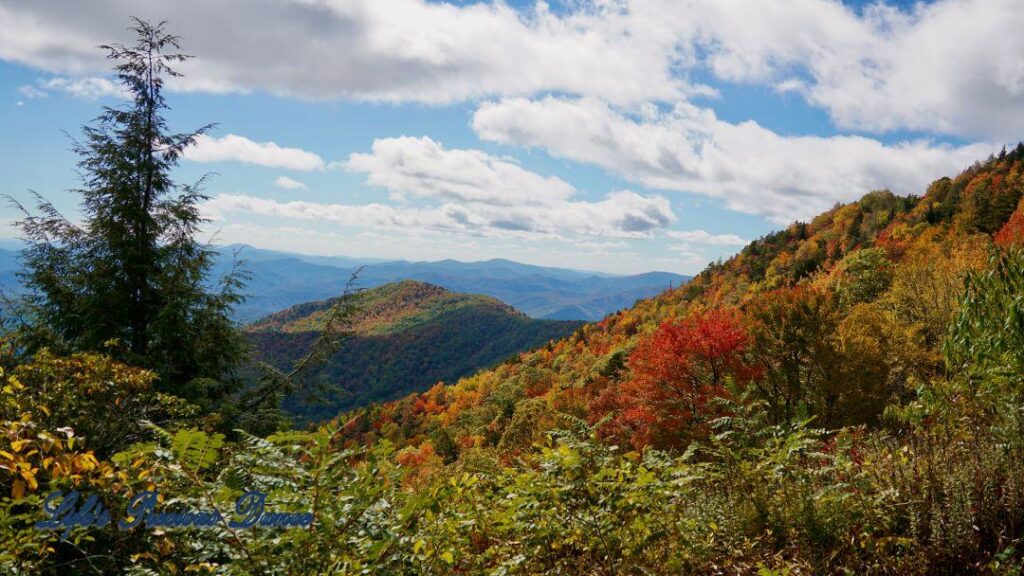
[[196, 450]]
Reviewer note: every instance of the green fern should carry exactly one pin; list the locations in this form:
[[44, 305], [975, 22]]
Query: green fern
[[195, 449]]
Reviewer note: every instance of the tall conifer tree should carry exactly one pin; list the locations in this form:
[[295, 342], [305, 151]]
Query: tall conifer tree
[[130, 278]]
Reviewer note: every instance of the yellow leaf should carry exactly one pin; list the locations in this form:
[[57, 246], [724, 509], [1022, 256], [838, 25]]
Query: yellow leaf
[[17, 445], [447, 557], [7, 455], [44, 409], [87, 462], [18, 489]]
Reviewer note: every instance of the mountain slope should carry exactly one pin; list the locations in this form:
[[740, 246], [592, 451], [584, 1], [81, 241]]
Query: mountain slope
[[883, 273], [829, 391], [406, 337]]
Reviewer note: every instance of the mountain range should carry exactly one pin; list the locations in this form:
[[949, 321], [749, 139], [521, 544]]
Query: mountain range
[[282, 279], [279, 280]]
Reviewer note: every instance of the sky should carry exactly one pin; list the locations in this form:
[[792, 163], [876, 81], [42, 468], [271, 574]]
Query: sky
[[614, 135]]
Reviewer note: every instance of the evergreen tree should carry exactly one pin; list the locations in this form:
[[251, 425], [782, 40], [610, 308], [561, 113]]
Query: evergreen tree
[[131, 278]]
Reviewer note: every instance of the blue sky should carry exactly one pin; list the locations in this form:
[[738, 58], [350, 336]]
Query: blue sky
[[619, 135]]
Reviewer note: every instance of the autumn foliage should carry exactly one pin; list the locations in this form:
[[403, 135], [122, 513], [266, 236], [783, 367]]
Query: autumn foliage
[[677, 371], [828, 401], [841, 397], [1013, 231]]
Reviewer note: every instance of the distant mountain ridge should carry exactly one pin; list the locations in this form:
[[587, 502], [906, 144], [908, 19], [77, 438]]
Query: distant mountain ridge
[[280, 280], [407, 336]]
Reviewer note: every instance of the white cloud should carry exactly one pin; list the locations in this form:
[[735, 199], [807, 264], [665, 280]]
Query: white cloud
[[688, 256], [289, 183], [240, 149], [423, 167], [88, 88], [414, 245], [32, 93], [948, 66], [600, 247], [750, 168], [396, 50], [487, 194], [705, 237], [621, 214]]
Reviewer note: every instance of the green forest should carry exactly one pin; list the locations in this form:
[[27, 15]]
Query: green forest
[[844, 396], [401, 337]]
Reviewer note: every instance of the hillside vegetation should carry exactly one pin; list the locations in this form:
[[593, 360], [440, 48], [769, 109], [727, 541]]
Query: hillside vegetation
[[833, 319], [842, 397], [825, 401], [404, 338]]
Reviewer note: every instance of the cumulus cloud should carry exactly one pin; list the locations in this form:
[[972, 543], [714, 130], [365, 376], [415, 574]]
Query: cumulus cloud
[[948, 66], [32, 93], [234, 148], [749, 167], [289, 183], [497, 195], [705, 237], [694, 243], [688, 256], [395, 50], [621, 214], [88, 88], [423, 167]]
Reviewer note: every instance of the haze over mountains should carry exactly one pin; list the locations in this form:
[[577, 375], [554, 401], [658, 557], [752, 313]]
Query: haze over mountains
[[281, 279]]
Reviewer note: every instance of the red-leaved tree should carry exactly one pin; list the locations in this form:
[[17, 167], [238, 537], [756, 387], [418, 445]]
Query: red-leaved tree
[[1013, 232], [675, 373]]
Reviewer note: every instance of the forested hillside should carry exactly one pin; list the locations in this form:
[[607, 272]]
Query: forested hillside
[[404, 337], [841, 397], [832, 319], [813, 388]]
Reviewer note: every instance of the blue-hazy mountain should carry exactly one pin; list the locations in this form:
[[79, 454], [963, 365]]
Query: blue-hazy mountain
[[281, 279], [9, 267]]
